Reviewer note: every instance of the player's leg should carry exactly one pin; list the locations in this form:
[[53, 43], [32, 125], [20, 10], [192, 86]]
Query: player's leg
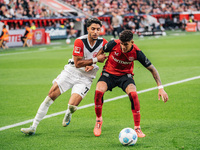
[[74, 101], [5, 44], [1, 43], [43, 109], [79, 91], [135, 107], [25, 42], [101, 88], [22, 39], [105, 82]]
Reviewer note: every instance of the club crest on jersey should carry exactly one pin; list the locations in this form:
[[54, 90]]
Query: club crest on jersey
[[77, 49], [131, 58], [117, 54], [94, 54]]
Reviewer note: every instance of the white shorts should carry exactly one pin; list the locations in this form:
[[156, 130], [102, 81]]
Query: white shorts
[[79, 83]]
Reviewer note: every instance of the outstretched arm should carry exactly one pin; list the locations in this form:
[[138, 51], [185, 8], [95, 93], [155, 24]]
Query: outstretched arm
[[161, 92]]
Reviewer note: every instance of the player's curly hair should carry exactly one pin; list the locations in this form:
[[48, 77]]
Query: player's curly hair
[[126, 35], [93, 20]]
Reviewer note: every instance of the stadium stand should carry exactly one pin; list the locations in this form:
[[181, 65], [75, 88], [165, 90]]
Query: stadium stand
[[173, 14]]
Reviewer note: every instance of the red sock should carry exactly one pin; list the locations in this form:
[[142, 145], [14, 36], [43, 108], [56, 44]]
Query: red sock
[[135, 107], [98, 100]]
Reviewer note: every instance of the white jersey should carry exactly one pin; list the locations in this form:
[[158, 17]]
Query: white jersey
[[83, 48]]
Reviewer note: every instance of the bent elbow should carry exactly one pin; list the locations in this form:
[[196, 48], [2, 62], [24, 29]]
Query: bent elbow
[[77, 65]]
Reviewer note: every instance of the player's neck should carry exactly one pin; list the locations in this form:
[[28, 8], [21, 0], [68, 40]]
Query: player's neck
[[130, 49], [91, 41]]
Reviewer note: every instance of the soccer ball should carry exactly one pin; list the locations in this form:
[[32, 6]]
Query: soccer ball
[[128, 136], [68, 41]]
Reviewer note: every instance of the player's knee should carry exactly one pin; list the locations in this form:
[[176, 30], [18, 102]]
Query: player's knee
[[54, 91], [53, 95], [101, 86]]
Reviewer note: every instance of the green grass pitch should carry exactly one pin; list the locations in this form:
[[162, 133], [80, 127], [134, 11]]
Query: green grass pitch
[[25, 79]]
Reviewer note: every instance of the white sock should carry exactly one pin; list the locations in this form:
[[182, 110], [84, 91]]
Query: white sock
[[71, 109], [42, 111]]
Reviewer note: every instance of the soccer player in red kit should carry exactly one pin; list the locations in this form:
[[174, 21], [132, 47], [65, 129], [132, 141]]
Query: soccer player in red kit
[[118, 71]]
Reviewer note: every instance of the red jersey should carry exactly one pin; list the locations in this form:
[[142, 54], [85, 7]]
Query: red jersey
[[119, 63]]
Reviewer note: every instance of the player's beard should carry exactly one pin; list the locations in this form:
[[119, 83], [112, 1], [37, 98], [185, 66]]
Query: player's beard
[[92, 37]]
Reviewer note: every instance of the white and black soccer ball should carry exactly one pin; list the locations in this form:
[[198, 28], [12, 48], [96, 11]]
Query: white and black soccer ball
[[68, 41], [128, 136]]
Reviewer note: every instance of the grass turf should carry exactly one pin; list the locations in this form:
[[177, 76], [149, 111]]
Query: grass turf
[[25, 79]]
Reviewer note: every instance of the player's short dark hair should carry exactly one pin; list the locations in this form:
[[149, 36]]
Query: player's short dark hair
[[126, 35], [93, 20]]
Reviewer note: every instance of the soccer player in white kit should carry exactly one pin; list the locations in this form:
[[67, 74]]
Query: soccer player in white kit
[[77, 74]]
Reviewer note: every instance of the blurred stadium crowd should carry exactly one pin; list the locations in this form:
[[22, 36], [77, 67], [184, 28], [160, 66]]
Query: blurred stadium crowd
[[140, 11], [32, 8], [141, 16], [25, 9], [105, 7]]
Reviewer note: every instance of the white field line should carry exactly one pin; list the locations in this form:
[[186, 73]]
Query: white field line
[[42, 49], [92, 104], [39, 50]]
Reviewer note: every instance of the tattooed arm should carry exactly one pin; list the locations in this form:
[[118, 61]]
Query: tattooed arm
[[155, 74], [161, 92]]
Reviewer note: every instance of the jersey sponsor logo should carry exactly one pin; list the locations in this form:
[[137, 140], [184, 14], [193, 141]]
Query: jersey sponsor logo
[[77, 49], [120, 61], [131, 58], [15, 38]]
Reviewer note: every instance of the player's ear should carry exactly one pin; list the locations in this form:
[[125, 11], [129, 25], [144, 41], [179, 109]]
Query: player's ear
[[132, 41]]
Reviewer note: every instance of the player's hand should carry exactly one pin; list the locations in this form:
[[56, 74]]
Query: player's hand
[[101, 58], [163, 95], [88, 68]]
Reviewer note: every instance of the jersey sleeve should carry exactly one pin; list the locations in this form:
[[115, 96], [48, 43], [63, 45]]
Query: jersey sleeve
[[109, 46], [142, 58], [78, 48], [104, 41]]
